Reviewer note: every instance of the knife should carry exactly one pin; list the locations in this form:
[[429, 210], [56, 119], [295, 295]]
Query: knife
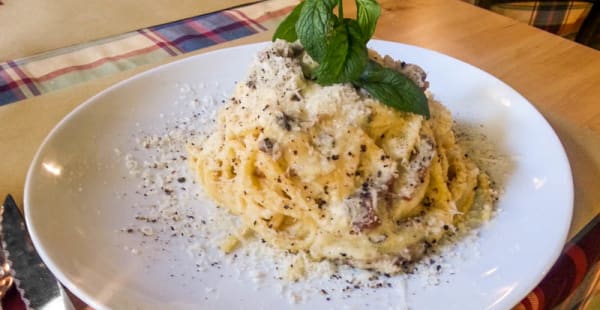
[[38, 288]]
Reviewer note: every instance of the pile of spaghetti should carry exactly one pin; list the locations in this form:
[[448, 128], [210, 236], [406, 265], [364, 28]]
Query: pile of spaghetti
[[330, 172]]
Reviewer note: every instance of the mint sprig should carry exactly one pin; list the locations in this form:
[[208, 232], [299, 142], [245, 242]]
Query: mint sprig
[[339, 46], [287, 28], [346, 62], [367, 14], [393, 89], [315, 25]]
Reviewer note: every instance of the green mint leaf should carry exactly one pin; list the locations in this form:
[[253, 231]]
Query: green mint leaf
[[287, 29], [393, 89], [367, 14], [345, 56], [314, 26], [338, 49]]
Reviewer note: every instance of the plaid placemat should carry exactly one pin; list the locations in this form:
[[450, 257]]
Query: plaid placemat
[[567, 18], [563, 18], [573, 281], [39, 74]]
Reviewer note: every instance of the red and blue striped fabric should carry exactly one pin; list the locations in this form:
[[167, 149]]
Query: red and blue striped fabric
[[199, 32], [39, 74]]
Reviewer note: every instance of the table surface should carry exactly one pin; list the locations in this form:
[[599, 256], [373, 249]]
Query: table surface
[[58, 23], [559, 77]]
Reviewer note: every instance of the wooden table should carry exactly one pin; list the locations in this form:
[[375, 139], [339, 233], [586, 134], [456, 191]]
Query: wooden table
[[561, 78]]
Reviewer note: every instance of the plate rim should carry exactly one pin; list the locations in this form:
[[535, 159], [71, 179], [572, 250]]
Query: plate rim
[[88, 103]]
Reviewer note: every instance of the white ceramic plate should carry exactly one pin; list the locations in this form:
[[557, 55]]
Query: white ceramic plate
[[79, 196]]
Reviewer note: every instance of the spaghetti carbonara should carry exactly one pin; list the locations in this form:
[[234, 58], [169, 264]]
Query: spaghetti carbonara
[[330, 171]]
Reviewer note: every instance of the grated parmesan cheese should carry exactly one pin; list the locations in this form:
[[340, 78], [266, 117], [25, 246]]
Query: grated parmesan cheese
[[168, 210]]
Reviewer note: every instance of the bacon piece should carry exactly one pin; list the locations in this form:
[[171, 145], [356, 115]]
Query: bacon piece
[[362, 208]]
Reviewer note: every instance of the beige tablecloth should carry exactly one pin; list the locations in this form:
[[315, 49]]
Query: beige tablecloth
[[29, 27]]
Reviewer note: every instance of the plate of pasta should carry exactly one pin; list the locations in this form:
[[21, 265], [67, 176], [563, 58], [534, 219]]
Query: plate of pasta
[[231, 178]]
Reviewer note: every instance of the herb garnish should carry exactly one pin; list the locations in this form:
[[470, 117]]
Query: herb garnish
[[339, 46]]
